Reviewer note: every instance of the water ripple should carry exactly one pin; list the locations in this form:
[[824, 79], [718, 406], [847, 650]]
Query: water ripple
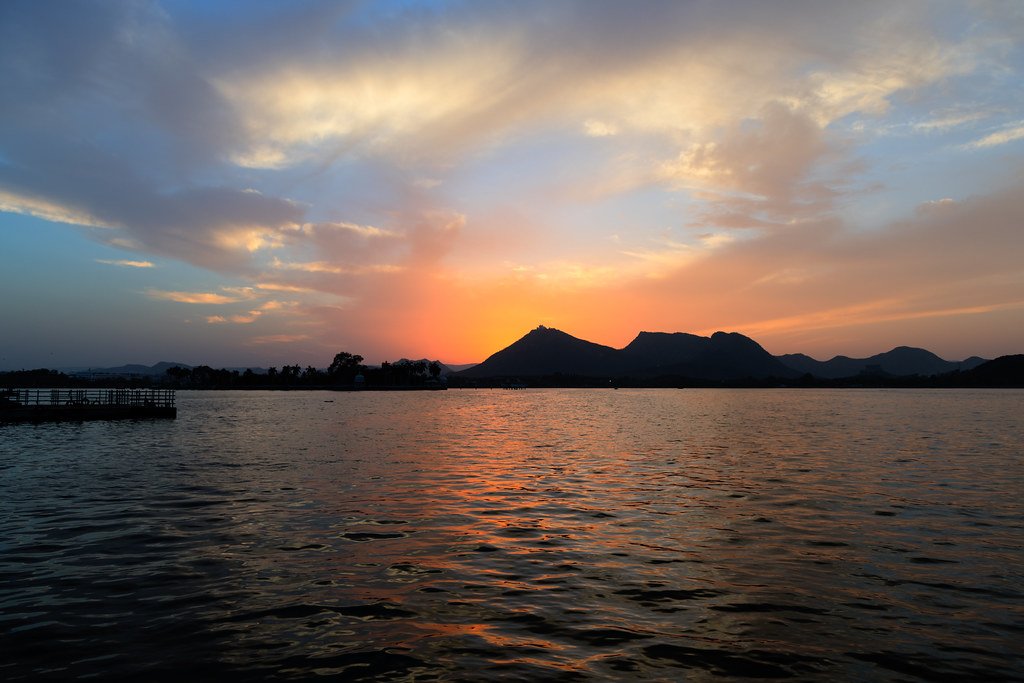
[[538, 535]]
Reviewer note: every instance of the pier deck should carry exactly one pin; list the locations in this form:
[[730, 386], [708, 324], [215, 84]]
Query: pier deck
[[42, 405]]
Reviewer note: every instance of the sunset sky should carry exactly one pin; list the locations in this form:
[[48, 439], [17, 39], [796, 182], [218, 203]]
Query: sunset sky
[[259, 183]]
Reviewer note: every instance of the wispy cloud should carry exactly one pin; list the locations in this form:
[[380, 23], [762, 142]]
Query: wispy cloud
[[871, 313], [241, 319], [250, 316], [948, 122], [278, 339], [12, 201], [308, 267], [192, 297], [335, 269], [279, 287], [1007, 134], [126, 263], [361, 230]]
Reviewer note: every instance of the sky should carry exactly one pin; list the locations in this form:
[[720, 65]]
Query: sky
[[261, 183]]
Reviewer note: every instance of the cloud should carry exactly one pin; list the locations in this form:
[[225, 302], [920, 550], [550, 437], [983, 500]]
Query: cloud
[[599, 129], [278, 339], [11, 202], [193, 297], [665, 256], [949, 121], [126, 263], [272, 306], [940, 262], [67, 66], [243, 319], [214, 227], [322, 267], [108, 118], [278, 287], [309, 267], [871, 313], [361, 230], [678, 72], [398, 160], [1008, 134], [761, 172], [671, 70]]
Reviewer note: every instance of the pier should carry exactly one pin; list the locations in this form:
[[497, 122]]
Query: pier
[[43, 405]]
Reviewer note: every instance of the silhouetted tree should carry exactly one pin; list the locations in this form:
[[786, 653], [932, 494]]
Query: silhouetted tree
[[344, 366], [202, 375], [178, 374], [344, 361], [40, 377]]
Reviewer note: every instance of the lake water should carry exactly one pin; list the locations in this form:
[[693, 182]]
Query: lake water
[[521, 535]]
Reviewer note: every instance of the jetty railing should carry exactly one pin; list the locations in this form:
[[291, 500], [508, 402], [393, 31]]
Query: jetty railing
[[136, 398]]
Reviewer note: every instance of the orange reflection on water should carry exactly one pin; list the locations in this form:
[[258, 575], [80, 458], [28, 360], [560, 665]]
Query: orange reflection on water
[[460, 534]]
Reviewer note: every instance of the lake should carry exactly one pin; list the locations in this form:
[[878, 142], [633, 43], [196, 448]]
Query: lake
[[872, 535]]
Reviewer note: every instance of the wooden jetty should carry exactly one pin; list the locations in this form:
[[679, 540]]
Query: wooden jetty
[[44, 405]]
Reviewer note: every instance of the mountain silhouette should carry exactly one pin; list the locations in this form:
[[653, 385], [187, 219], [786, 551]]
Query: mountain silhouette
[[722, 356], [659, 351], [899, 362], [1005, 371], [545, 351], [157, 369]]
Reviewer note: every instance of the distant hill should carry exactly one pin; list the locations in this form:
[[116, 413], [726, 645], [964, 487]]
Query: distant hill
[[1005, 371], [459, 367], [657, 352], [445, 370], [722, 356], [654, 358], [545, 351], [900, 362], [134, 369]]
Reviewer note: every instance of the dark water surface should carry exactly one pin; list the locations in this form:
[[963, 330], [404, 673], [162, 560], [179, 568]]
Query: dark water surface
[[523, 535]]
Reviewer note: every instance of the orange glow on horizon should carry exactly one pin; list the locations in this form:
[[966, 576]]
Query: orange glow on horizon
[[460, 321]]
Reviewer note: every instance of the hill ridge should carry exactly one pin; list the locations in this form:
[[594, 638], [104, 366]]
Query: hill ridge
[[549, 351], [722, 356]]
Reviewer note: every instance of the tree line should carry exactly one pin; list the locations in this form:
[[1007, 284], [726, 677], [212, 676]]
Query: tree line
[[346, 369]]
